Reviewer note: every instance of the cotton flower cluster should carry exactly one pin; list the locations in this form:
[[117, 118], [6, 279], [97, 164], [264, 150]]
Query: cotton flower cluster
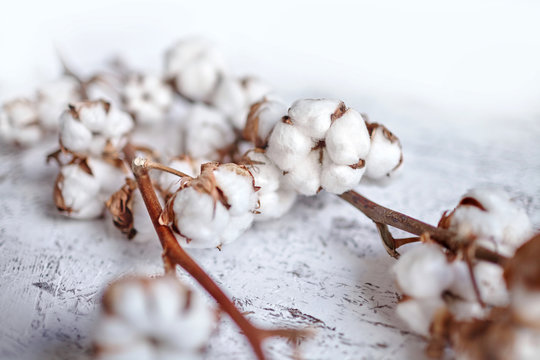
[[83, 185], [94, 128], [491, 219], [274, 198], [195, 67], [19, 122], [150, 319], [320, 144], [234, 97], [147, 97], [213, 209], [207, 133]]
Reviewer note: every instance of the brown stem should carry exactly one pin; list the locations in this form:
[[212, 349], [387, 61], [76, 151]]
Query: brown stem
[[157, 166], [382, 215], [174, 254]]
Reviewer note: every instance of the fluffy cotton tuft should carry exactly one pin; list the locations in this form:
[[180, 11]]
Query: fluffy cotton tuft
[[261, 120], [94, 128], [207, 133], [214, 208], [148, 98], [195, 67], [321, 144], [385, 155], [419, 313], [234, 97], [158, 318], [19, 123], [54, 97], [275, 199]]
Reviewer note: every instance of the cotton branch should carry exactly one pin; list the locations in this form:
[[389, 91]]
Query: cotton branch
[[384, 217], [174, 254]]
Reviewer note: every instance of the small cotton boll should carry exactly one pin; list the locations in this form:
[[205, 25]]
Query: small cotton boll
[[54, 97], [262, 118], [314, 116], [110, 177], [305, 178], [275, 204], [18, 122], [347, 140], [199, 218], [93, 115], [236, 183], [118, 123], [147, 97], [287, 146], [385, 155], [80, 193], [339, 178], [196, 67], [267, 176], [73, 134], [423, 272], [419, 313], [237, 226], [206, 133]]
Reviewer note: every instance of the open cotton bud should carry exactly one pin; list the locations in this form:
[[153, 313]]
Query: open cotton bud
[[19, 122], [419, 313], [53, 98], [153, 318], [94, 128], [274, 199], [522, 276], [424, 272], [147, 98], [77, 192], [207, 133], [490, 218], [169, 183], [262, 117], [385, 156], [195, 67], [214, 208], [321, 144], [234, 98]]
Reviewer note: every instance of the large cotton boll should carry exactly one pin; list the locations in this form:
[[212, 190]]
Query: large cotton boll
[[313, 116], [347, 140], [287, 146]]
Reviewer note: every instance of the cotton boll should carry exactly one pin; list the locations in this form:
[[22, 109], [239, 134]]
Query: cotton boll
[[147, 97], [109, 177], [236, 183], [53, 98], [314, 116], [287, 146], [196, 66], [339, 178], [266, 175], [118, 123], [93, 115], [305, 178], [419, 313], [78, 193], [230, 99], [207, 132], [423, 272], [73, 134], [261, 120], [18, 123], [275, 204], [237, 226], [200, 218], [347, 140], [385, 155]]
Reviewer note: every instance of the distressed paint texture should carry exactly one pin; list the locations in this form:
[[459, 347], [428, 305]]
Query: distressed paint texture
[[320, 266]]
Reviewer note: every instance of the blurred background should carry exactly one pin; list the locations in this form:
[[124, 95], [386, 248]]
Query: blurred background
[[472, 61]]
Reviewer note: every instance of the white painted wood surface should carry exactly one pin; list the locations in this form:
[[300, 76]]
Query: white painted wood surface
[[321, 265]]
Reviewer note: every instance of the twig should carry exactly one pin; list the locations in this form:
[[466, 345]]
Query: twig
[[382, 215], [174, 254]]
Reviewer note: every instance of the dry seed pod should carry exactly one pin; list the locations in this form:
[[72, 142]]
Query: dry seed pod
[[19, 123], [153, 318], [321, 144], [214, 208]]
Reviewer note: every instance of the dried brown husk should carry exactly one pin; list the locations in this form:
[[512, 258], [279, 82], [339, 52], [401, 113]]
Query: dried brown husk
[[251, 129], [120, 205], [524, 267]]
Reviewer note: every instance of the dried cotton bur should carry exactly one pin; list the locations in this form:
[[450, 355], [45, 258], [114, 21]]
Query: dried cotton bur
[[463, 285]]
